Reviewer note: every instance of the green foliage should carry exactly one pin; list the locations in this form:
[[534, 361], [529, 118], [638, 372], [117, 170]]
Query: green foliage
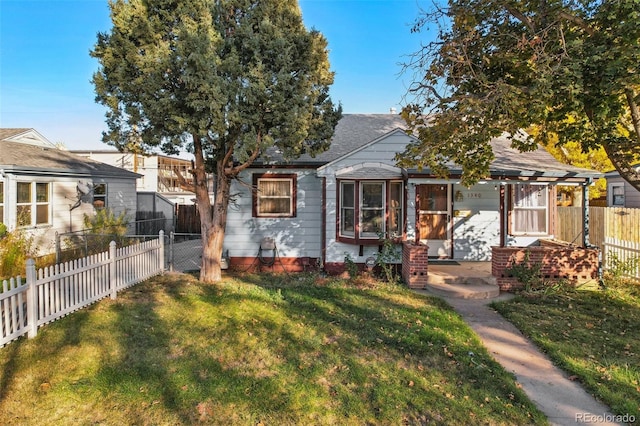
[[569, 68], [15, 248], [227, 80], [351, 266], [526, 272], [387, 259], [103, 227], [618, 268]]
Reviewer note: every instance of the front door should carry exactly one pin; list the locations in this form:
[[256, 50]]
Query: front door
[[434, 218]]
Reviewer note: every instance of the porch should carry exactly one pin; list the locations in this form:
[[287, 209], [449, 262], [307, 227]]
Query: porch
[[462, 280]]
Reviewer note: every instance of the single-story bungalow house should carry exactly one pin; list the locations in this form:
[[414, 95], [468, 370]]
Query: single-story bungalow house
[[620, 193], [44, 190], [324, 210]]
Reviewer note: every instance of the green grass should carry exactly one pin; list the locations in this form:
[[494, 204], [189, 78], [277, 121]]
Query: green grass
[[593, 334], [259, 349]]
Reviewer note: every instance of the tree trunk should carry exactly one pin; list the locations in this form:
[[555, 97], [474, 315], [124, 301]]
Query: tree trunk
[[212, 222], [213, 238]]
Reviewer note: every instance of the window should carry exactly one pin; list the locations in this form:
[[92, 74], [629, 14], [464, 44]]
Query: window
[[529, 209], [372, 209], [32, 206], [274, 195], [348, 209], [100, 196], [617, 195], [369, 209]]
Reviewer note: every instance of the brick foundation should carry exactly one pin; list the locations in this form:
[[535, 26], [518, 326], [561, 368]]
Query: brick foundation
[[559, 262], [281, 264], [415, 264]]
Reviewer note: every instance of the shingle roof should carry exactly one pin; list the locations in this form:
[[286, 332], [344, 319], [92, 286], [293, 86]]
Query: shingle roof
[[23, 157], [352, 132], [509, 159], [357, 130], [8, 133]]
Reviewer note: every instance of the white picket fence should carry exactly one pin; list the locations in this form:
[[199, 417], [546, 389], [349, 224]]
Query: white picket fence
[[623, 255], [51, 293]]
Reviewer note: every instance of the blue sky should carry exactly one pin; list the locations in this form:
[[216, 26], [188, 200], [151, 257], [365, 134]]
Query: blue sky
[[45, 67]]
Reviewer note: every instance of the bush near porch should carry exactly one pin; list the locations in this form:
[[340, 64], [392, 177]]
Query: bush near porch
[[553, 260]]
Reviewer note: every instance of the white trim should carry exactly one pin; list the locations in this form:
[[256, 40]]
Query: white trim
[[322, 168]]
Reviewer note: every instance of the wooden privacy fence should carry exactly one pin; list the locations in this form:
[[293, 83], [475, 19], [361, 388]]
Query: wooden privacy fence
[[615, 230], [53, 292]]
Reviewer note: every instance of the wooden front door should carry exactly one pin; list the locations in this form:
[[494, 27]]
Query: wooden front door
[[434, 218]]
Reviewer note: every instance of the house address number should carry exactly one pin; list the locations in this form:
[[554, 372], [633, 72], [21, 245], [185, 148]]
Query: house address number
[[474, 195]]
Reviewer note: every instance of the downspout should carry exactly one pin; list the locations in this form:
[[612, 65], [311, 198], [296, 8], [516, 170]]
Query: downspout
[[323, 234], [585, 212]]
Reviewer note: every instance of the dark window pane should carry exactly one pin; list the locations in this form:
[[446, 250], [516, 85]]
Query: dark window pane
[[24, 192]]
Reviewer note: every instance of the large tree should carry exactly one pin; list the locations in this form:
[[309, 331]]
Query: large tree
[[570, 67], [226, 79]]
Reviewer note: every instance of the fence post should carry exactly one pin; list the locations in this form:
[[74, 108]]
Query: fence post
[[57, 247], [113, 280], [161, 238], [32, 299], [172, 236]]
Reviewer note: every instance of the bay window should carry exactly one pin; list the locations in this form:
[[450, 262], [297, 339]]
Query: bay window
[[370, 209], [529, 209]]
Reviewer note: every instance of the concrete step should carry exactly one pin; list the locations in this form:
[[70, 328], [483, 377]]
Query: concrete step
[[463, 287]]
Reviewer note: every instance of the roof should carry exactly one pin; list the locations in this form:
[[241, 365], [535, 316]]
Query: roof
[[352, 132], [28, 158], [615, 173], [510, 161], [355, 131]]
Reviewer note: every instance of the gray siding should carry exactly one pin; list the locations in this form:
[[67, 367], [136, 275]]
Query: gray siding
[[299, 236], [379, 154], [474, 233]]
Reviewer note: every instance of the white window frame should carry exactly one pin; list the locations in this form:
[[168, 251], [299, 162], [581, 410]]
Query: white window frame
[[100, 196], [613, 187], [533, 207], [358, 209], [352, 209], [382, 209], [33, 204], [290, 197]]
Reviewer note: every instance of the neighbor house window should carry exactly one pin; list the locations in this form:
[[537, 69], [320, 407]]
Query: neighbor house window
[[617, 195], [100, 196], [32, 206], [274, 195], [529, 209], [370, 209]]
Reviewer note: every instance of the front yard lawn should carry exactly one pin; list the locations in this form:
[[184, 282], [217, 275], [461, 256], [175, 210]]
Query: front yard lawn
[[260, 350], [592, 334]]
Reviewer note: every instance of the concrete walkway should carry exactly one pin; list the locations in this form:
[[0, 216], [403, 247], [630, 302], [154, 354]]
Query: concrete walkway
[[563, 401]]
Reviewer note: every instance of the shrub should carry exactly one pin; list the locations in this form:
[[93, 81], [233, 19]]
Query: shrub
[[15, 248]]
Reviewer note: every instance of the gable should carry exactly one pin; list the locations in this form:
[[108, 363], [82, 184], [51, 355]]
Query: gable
[[25, 136], [380, 153]]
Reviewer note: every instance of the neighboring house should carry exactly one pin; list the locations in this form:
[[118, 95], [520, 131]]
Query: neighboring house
[[322, 210], [620, 193], [44, 190], [168, 176]]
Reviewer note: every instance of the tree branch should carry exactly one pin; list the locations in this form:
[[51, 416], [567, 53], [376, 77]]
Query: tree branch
[[577, 21], [635, 111]]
